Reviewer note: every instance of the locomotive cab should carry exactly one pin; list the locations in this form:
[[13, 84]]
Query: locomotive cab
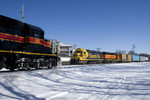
[[79, 56]]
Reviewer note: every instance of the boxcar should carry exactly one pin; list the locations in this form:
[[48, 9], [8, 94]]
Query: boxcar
[[129, 58], [123, 57], [110, 57]]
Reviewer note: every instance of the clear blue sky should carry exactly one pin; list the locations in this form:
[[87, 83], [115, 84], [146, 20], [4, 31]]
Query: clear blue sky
[[107, 24]]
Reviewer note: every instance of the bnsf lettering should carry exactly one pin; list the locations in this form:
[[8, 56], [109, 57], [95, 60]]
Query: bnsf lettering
[[94, 56]]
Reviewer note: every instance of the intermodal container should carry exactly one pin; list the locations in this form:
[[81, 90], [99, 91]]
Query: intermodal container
[[129, 58], [124, 57], [135, 58]]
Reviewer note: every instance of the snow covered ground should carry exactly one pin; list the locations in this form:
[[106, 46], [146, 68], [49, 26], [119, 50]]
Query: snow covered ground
[[124, 81]]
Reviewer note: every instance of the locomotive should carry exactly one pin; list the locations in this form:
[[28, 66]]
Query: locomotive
[[22, 46], [83, 56]]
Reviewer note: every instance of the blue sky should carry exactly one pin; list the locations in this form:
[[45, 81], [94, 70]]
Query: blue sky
[[90, 24]]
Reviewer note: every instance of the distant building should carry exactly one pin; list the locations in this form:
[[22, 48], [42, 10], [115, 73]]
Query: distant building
[[65, 50]]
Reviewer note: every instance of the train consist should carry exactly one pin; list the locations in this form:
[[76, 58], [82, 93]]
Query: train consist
[[82, 56], [22, 46]]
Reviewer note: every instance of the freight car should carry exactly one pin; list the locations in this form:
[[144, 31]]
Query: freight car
[[111, 57], [125, 58], [135, 58], [143, 59], [22, 46]]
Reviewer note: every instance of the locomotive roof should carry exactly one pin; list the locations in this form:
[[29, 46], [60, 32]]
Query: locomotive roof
[[108, 53], [93, 51], [35, 27], [17, 21]]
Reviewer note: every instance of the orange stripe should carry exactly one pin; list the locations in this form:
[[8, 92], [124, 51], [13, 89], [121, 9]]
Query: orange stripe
[[110, 56], [11, 37], [34, 40], [14, 38]]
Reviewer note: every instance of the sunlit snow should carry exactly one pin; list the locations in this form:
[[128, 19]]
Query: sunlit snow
[[122, 81]]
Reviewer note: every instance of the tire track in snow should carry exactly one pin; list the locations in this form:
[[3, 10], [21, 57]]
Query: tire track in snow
[[117, 86], [50, 96]]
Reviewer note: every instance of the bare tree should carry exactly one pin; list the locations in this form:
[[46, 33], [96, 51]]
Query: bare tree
[[133, 47], [121, 51], [132, 52], [98, 49]]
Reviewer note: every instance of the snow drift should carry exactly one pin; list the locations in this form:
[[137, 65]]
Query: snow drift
[[123, 81]]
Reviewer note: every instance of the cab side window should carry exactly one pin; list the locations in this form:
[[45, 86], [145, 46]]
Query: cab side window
[[37, 34]]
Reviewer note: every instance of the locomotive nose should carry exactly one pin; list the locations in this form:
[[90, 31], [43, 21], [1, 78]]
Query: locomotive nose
[[76, 54]]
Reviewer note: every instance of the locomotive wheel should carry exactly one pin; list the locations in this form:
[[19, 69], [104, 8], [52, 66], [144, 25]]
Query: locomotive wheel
[[10, 64], [24, 66], [2, 62], [55, 63], [50, 65]]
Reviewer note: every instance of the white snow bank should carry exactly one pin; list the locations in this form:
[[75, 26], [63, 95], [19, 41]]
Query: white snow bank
[[125, 81], [65, 59]]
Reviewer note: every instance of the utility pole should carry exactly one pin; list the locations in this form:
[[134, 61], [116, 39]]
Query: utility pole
[[22, 13], [98, 49], [133, 47]]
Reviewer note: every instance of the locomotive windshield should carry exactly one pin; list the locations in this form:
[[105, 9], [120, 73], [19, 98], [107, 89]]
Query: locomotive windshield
[[36, 34], [77, 51], [35, 31]]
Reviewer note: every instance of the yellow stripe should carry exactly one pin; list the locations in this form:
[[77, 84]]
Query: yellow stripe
[[92, 59], [11, 40], [39, 54], [96, 59], [4, 51], [36, 42], [29, 53], [111, 59], [16, 52], [11, 35]]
